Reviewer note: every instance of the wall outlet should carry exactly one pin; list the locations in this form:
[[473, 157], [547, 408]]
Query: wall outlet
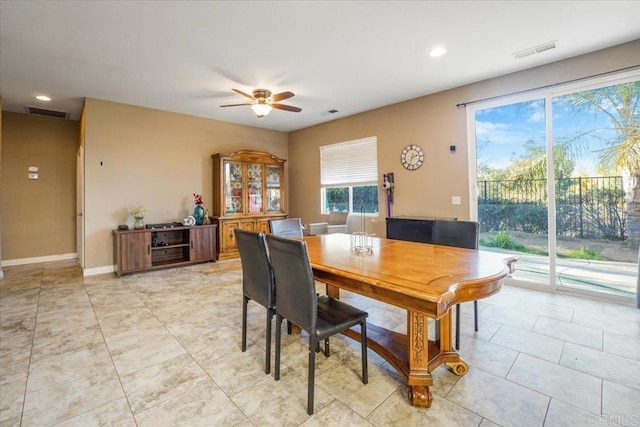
[[455, 200]]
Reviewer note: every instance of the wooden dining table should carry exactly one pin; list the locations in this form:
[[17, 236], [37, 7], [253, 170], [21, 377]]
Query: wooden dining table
[[427, 280]]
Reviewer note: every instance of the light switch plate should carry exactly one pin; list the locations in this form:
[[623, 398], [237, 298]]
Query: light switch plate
[[33, 176]]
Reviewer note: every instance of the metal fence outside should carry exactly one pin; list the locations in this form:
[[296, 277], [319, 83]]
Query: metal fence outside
[[586, 207]]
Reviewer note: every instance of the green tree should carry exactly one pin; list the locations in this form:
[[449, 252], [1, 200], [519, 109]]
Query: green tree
[[530, 169], [620, 104], [533, 163]]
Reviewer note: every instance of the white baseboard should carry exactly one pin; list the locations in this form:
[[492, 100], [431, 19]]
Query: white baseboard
[[52, 258], [99, 270], [35, 260]]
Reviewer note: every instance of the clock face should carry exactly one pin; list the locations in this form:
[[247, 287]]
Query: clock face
[[412, 157]]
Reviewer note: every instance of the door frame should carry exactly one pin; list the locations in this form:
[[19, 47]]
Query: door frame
[[80, 204]]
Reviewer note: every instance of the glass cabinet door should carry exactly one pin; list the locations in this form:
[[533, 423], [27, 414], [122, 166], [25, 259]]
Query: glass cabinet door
[[254, 188], [233, 187], [273, 189]]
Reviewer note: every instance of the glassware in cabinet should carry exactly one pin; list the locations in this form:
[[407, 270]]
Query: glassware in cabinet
[[254, 187], [233, 175], [273, 189]]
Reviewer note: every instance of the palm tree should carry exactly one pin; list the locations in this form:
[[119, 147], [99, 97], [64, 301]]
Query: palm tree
[[620, 104]]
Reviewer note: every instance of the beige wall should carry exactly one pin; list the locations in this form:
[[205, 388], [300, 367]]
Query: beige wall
[[434, 123], [158, 159], [139, 156], [38, 216]]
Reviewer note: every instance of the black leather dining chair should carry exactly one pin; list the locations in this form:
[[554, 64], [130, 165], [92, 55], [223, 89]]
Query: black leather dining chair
[[257, 283], [287, 227], [291, 227], [297, 301], [461, 234]]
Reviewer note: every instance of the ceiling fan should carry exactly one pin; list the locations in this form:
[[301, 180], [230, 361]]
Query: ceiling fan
[[263, 101]]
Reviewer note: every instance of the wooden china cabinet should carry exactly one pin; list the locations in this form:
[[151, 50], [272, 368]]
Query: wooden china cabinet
[[248, 191]]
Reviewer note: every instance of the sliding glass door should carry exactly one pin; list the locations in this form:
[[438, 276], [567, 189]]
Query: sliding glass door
[[511, 173], [595, 138], [555, 183]]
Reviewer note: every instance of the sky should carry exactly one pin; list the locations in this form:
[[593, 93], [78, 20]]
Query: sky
[[502, 131]]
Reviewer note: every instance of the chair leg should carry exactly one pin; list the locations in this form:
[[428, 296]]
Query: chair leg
[[475, 314], [327, 350], [245, 301], [312, 373], [365, 368], [267, 362], [276, 373], [457, 326], [289, 327]]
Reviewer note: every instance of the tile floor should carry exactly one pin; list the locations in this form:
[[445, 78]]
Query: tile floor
[[163, 349]]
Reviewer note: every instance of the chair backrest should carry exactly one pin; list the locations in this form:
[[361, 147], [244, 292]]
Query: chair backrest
[[461, 234], [289, 227], [296, 298], [337, 218], [257, 275]]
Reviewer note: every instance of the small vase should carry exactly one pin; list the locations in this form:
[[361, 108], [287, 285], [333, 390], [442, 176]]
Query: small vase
[[138, 223], [198, 214]]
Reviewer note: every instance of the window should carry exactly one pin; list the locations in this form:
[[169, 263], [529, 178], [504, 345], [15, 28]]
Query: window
[[349, 176]]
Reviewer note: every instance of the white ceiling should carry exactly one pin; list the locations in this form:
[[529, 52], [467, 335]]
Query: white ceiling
[[352, 56]]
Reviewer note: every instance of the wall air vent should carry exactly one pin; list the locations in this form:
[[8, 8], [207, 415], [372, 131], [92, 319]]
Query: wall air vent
[[326, 113], [37, 111], [536, 49]]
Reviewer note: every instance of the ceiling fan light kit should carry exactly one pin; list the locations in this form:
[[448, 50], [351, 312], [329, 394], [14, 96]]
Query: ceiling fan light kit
[[261, 110], [263, 101]]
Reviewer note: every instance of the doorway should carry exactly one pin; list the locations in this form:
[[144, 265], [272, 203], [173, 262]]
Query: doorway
[[551, 185]]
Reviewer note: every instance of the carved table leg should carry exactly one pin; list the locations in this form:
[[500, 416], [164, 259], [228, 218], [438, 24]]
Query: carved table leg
[[459, 368], [420, 396], [419, 378]]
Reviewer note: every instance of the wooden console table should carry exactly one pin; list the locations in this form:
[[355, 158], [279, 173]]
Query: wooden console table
[[155, 248]]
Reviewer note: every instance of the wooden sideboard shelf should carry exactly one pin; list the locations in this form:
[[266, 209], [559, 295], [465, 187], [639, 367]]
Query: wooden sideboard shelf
[[152, 249]]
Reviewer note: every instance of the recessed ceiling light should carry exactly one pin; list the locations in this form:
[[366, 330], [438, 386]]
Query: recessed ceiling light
[[437, 51], [43, 98]]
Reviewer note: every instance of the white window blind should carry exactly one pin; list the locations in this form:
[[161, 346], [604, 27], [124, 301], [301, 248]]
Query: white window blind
[[349, 163]]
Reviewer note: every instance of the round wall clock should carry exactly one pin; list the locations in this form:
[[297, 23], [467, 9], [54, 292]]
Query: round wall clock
[[412, 157]]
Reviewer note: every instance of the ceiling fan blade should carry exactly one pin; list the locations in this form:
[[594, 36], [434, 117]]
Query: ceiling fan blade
[[286, 107], [281, 96], [243, 94], [236, 105]]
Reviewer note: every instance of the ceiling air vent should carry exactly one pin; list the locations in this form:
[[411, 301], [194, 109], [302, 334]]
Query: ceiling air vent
[[536, 49], [36, 111], [524, 53]]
